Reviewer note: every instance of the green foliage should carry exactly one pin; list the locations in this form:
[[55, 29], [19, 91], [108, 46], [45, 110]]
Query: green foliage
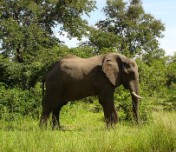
[[10, 73], [27, 26], [171, 72], [129, 26], [101, 41], [123, 104], [84, 51], [152, 78], [157, 78], [15, 103], [26, 75]]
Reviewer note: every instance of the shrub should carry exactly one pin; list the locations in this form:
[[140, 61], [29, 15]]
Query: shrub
[[124, 105], [16, 102]]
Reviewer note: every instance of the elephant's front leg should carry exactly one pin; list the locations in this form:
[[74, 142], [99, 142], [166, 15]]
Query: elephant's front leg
[[110, 113]]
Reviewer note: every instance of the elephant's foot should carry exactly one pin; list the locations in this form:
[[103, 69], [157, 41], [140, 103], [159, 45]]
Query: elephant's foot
[[56, 127], [111, 119], [43, 123]]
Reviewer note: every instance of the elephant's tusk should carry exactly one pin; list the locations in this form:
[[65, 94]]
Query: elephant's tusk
[[137, 96]]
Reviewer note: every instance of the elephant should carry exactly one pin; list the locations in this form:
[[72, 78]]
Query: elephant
[[73, 78]]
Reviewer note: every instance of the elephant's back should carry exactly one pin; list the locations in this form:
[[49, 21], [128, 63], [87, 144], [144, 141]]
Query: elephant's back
[[75, 68]]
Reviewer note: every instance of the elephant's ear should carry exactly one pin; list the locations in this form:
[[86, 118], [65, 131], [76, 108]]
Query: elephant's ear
[[111, 69]]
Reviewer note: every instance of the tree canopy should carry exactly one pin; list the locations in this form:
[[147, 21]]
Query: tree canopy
[[27, 26], [134, 31]]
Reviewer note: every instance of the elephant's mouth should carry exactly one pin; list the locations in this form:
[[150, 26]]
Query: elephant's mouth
[[135, 95]]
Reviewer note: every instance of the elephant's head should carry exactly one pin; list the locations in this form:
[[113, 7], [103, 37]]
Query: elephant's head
[[122, 70]]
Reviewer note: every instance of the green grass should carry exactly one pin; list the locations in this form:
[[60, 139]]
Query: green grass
[[85, 131]]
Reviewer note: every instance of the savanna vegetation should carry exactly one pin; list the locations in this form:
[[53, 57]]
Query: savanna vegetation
[[29, 48]]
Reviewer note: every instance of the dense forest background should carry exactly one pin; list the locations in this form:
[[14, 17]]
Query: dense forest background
[[28, 48]]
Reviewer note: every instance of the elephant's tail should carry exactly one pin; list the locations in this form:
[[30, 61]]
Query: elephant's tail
[[43, 90]]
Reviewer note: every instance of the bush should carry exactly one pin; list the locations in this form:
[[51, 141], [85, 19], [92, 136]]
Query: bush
[[158, 82], [16, 102], [123, 103]]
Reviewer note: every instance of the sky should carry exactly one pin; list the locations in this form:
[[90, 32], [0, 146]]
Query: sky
[[164, 10]]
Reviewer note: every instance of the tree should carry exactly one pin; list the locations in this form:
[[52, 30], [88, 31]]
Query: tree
[[171, 72], [155, 56], [28, 44], [101, 41], [26, 26], [137, 30]]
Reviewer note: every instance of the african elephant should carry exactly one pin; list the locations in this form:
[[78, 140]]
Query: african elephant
[[73, 78]]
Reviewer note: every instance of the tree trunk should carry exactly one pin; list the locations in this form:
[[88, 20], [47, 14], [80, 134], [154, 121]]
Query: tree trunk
[[19, 55]]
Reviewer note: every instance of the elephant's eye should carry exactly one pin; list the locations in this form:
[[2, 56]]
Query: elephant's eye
[[132, 75]]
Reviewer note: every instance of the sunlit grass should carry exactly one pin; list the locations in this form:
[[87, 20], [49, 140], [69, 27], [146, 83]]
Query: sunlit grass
[[85, 131]]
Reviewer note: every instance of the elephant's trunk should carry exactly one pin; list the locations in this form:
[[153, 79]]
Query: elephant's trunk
[[135, 102]]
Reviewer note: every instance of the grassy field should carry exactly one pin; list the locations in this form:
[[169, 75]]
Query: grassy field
[[85, 131]]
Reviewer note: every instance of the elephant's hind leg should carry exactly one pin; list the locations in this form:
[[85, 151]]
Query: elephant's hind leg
[[46, 110], [55, 118], [43, 119]]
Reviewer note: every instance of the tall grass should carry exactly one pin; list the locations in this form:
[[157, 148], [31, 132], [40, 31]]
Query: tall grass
[[85, 131]]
